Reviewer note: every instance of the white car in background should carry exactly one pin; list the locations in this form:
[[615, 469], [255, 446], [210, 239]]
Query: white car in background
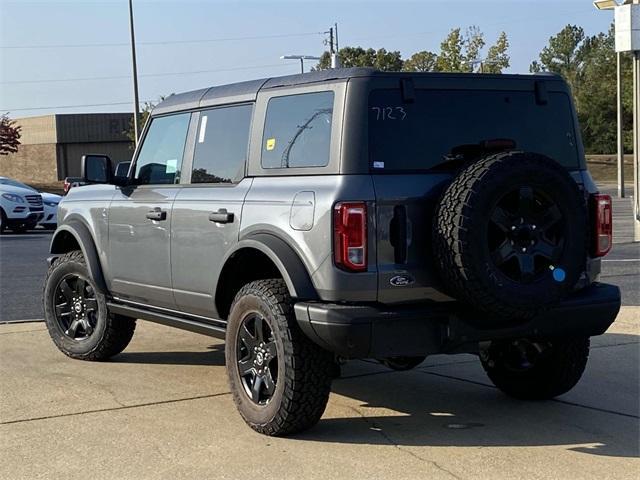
[[22, 207]]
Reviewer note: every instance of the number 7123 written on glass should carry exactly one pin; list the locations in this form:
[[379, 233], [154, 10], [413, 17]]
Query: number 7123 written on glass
[[389, 113]]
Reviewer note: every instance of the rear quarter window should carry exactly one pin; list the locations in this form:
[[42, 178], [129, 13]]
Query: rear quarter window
[[423, 134], [297, 131]]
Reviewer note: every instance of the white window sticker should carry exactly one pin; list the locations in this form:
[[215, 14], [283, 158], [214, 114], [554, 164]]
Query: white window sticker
[[203, 129], [172, 166], [378, 164]]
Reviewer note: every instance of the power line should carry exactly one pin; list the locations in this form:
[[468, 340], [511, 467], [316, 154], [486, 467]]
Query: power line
[[161, 74], [167, 42], [69, 106]]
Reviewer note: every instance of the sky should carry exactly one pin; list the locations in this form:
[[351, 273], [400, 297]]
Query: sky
[[74, 56]]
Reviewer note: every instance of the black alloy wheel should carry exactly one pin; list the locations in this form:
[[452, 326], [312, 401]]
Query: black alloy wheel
[[525, 234], [76, 307], [257, 358]]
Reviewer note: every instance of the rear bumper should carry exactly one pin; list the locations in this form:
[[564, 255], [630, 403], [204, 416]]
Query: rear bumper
[[365, 331]]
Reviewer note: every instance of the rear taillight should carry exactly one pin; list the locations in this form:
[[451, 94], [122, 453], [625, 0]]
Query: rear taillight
[[350, 236], [602, 218], [66, 187]]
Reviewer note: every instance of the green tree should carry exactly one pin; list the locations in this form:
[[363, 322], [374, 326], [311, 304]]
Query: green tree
[[588, 64], [564, 55], [452, 57], [9, 135], [359, 57], [423, 61], [497, 57], [459, 53]]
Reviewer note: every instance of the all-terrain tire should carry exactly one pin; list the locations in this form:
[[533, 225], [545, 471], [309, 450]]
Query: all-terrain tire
[[557, 371], [112, 333], [462, 227], [304, 369]]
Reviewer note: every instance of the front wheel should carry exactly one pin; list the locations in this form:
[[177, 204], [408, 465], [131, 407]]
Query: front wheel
[[536, 370], [76, 313], [280, 380]]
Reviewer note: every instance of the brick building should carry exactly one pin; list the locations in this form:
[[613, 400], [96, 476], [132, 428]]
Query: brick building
[[52, 145]]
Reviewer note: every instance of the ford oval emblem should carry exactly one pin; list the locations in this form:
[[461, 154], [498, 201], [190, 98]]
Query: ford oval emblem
[[401, 280]]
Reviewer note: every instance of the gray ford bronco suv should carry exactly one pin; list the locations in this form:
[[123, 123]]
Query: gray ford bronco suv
[[345, 214]]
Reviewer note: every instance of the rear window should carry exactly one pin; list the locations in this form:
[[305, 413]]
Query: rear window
[[440, 123]]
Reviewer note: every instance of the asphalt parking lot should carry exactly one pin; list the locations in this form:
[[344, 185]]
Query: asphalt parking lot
[[162, 408]]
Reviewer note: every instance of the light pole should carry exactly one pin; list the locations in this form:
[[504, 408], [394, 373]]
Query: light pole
[[482, 62], [136, 103], [302, 58], [627, 23]]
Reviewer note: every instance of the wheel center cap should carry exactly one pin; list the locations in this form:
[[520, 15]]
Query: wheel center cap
[[259, 358], [77, 307]]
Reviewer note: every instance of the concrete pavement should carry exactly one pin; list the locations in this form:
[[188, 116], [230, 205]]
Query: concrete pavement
[[162, 409]]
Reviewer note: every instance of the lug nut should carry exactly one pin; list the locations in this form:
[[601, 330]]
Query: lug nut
[[533, 227], [513, 227], [524, 250]]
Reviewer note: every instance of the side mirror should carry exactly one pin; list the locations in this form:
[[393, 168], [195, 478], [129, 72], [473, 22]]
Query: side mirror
[[96, 169]]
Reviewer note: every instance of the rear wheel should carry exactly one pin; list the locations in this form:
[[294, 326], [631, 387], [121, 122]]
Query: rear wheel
[[536, 370], [76, 314], [280, 380]]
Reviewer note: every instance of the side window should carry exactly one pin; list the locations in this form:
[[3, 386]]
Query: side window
[[297, 131], [160, 157], [221, 145]]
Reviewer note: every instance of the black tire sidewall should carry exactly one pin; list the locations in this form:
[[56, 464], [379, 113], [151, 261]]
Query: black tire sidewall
[[63, 267], [461, 232], [545, 289], [250, 411]]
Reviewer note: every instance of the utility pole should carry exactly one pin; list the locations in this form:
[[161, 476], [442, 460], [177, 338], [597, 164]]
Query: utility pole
[[332, 51], [336, 60], [621, 192], [136, 103]]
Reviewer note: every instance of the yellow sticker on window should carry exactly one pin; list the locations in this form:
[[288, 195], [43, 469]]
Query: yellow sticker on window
[[271, 143]]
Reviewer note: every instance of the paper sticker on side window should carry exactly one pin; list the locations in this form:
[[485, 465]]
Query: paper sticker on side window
[[203, 129], [172, 166], [271, 143]]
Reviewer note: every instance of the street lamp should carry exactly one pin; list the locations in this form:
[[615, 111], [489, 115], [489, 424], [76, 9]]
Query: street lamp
[[482, 62], [302, 58], [610, 5], [627, 23]]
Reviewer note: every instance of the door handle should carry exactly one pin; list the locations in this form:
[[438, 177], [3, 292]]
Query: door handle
[[157, 214], [221, 216]]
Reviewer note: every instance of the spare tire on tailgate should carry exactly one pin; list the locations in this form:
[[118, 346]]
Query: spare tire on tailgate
[[510, 235]]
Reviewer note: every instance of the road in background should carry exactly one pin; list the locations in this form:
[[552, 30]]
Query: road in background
[[23, 265]]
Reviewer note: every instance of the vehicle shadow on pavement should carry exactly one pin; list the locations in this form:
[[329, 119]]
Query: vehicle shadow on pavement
[[213, 357], [455, 406]]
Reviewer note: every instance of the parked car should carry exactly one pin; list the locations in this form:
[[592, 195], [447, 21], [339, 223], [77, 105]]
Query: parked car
[[21, 207], [345, 214], [50, 219], [50, 202], [70, 182]]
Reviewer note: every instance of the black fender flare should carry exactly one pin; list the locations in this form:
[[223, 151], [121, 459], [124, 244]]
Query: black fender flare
[[83, 237], [286, 260]]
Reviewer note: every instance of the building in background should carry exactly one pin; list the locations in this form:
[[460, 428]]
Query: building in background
[[52, 145]]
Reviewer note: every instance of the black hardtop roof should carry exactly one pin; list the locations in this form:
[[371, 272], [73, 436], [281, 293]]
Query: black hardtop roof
[[247, 91]]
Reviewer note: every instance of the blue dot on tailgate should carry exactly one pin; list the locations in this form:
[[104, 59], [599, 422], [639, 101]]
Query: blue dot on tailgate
[[559, 274]]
